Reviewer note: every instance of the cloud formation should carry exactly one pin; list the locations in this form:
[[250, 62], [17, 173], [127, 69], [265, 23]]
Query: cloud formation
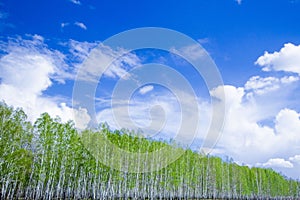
[[260, 85], [77, 2], [295, 159], [239, 1], [80, 25], [63, 25], [103, 60], [286, 60], [261, 128], [28, 68], [247, 139], [146, 89], [277, 162], [158, 115]]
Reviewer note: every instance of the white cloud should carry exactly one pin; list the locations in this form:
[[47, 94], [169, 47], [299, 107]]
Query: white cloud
[[78, 24], [81, 25], [248, 140], [261, 85], [26, 52], [203, 40], [287, 59], [159, 113], [29, 68], [277, 163], [77, 2], [192, 52], [287, 124], [146, 89], [239, 1], [242, 134], [104, 60], [295, 159], [62, 25], [37, 38], [139, 113], [80, 50]]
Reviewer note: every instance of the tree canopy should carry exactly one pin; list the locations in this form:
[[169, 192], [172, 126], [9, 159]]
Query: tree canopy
[[47, 159]]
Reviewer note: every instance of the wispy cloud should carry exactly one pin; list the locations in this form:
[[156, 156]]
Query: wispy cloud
[[103, 59], [3, 15], [3, 20], [192, 52], [63, 25], [78, 24], [158, 115], [146, 89], [81, 25], [261, 85], [239, 1], [77, 2], [203, 40]]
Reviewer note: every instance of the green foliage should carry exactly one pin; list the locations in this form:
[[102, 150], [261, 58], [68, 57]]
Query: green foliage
[[48, 160]]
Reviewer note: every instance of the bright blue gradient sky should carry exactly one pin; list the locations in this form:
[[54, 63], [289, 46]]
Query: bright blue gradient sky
[[255, 44]]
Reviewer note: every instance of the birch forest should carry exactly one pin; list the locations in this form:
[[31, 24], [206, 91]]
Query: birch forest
[[47, 160]]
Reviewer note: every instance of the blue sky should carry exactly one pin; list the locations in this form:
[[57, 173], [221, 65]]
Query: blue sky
[[255, 45]]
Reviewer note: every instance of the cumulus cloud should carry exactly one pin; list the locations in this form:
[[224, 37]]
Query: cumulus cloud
[[259, 123], [248, 140], [295, 159], [25, 53], [146, 89], [287, 123], [287, 59], [277, 162], [28, 68], [243, 125]]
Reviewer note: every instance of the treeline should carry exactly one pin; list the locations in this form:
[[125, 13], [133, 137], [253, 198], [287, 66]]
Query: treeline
[[47, 160]]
